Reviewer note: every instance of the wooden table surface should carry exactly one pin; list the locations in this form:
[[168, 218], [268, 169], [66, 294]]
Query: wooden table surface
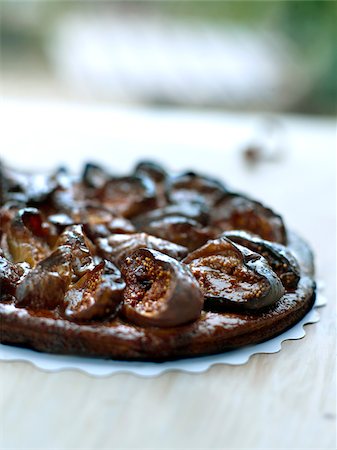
[[283, 400]]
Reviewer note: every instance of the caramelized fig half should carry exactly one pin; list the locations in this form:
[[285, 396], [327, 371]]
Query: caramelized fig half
[[118, 246], [74, 238], [101, 222], [128, 196], [32, 219], [96, 295], [237, 212], [233, 277], [157, 174], [280, 259], [193, 211], [193, 188], [44, 287], [41, 290], [181, 231], [159, 291], [21, 243]]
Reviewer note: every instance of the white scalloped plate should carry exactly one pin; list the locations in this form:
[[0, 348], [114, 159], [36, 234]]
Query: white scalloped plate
[[102, 367]]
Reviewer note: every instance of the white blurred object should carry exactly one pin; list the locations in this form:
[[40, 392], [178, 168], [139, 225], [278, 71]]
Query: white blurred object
[[161, 61]]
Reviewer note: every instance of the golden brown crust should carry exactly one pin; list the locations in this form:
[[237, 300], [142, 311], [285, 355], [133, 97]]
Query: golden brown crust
[[212, 333]]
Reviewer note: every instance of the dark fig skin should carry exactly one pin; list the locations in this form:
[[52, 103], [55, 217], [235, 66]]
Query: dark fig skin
[[44, 287], [100, 222], [280, 259], [32, 219], [60, 261], [4, 185], [193, 211], [128, 196], [160, 291], [23, 187], [94, 176], [97, 221], [41, 290], [181, 231], [118, 246], [98, 294], [10, 276], [118, 225], [157, 174], [237, 212], [193, 188], [233, 277], [151, 170]]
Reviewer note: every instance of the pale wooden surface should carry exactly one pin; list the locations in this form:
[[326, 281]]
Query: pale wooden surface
[[284, 400]]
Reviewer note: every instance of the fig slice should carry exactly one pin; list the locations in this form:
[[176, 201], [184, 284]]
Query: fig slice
[[237, 212], [33, 220], [233, 277], [101, 222], [181, 231], [194, 188], [22, 244], [81, 248], [280, 259], [160, 291], [96, 295], [128, 196], [44, 287], [118, 246]]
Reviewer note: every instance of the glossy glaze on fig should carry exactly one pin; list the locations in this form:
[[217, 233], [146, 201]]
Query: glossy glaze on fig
[[184, 290], [128, 196], [20, 244], [194, 188], [118, 246], [10, 276], [232, 276], [74, 238], [238, 212], [181, 231], [158, 176], [24, 187], [280, 259], [159, 291], [98, 294], [191, 211], [40, 290]]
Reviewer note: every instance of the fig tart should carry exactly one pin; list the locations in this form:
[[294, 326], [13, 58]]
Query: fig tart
[[148, 266]]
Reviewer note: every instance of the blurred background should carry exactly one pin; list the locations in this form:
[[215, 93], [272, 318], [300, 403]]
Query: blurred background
[[244, 91], [242, 55]]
